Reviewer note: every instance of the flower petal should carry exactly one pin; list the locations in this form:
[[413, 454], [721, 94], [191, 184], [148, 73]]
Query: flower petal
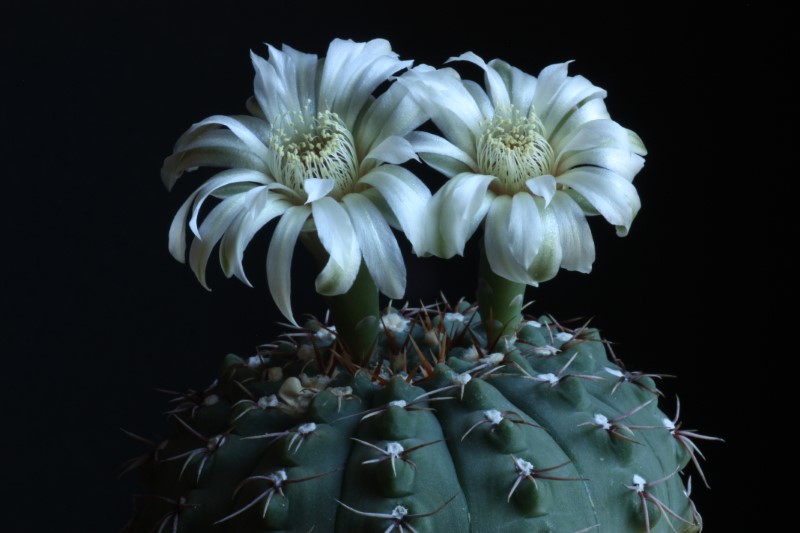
[[577, 244], [378, 246], [548, 260], [544, 186], [210, 148], [210, 233], [285, 82], [260, 206], [316, 188], [394, 112], [223, 179], [450, 105], [441, 154], [338, 237], [613, 196], [405, 195], [454, 213], [279, 257], [521, 85], [573, 123], [573, 93], [524, 229], [351, 71], [177, 229], [394, 150], [497, 88], [496, 243]]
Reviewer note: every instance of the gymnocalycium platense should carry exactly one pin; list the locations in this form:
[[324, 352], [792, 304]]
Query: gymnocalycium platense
[[456, 416]]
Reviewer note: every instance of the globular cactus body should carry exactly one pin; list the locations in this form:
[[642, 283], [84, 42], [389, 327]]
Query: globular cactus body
[[449, 432]]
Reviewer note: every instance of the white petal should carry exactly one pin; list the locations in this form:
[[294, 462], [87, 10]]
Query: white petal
[[602, 133], [577, 244], [574, 93], [177, 231], [549, 82], [316, 188], [521, 85], [350, 73], [592, 110], [548, 260], [497, 88], [211, 148], [378, 246], [394, 150], [260, 206], [284, 82], [211, 231], [441, 154], [338, 237], [394, 112], [250, 138], [279, 257], [622, 162], [224, 178], [544, 186], [455, 212], [524, 229], [613, 196], [405, 195], [481, 98], [496, 242], [452, 108]]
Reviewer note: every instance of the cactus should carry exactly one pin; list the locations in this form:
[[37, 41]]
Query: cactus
[[464, 417], [449, 429]]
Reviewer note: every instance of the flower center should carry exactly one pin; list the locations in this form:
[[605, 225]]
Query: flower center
[[513, 148], [314, 147]]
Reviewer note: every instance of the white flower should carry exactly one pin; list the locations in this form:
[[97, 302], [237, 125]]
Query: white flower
[[531, 157], [320, 153]]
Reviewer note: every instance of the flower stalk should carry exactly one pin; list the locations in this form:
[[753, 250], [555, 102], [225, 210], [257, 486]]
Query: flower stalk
[[499, 300], [356, 312]]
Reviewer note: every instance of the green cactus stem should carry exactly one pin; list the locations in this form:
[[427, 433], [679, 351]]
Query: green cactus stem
[[499, 300]]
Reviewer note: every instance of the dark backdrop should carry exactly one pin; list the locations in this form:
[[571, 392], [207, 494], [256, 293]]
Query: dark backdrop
[[101, 315]]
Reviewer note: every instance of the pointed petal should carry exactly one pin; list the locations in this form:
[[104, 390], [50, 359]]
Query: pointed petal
[[544, 186], [497, 88], [452, 108], [613, 196], [441, 154], [177, 231], [496, 239], [394, 112], [283, 83], [279, 257], [590, 111], [454, 213], [405, 195], [210, 233], [316, 188], [223, 179], [394, 150], [573, 94], [524, 229], [351, 71], [521, 85], [338, 237], [548, 260], [378, 246], [211, 147], [576, 238], [260, 206]]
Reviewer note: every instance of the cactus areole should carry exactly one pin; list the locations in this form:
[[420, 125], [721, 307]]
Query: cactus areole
[[449, 417]]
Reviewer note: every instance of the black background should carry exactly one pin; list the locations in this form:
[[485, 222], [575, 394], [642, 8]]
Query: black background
[[101, 315]]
